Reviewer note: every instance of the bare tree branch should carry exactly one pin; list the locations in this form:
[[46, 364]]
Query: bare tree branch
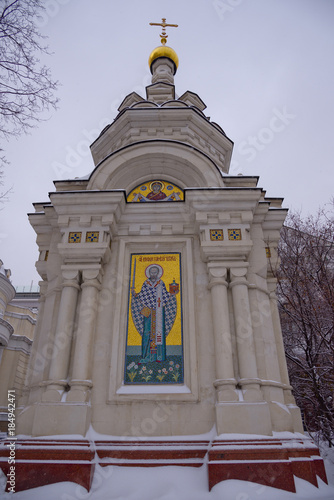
[[306, 301], [26, 86]]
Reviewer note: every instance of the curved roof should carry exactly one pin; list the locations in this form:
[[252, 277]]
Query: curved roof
[[176, 161]]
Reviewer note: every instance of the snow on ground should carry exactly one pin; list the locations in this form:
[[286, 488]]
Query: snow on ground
[[173, 483], [328, 457], [166, 483]]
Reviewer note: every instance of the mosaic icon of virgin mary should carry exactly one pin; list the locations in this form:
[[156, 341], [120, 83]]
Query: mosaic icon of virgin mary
[[153, 312], [156, 193]]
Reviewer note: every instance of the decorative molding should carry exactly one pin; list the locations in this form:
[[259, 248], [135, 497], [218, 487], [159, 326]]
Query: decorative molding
[[74, 236], [20, 343], [234, 234], [17, 315], [216, 235], [92, 236], [6, 331]]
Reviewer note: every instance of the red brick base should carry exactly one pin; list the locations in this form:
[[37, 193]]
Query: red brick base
[[272, 462], [42, 461], [269, 461]]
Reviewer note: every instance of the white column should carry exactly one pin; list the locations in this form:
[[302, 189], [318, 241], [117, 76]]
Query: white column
[[81, 370], [249, 380], [279, 343], [225, 382], [36, 368], [59, 365]]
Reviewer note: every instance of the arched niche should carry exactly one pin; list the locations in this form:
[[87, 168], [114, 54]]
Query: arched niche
[[173, 161]]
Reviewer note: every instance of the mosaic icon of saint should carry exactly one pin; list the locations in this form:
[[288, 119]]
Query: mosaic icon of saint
[[153, 312]]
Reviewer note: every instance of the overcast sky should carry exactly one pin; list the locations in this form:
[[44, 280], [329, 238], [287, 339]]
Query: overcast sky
[[264, 68]]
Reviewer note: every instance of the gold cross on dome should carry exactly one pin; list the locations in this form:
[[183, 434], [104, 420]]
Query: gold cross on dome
[[163, 35]]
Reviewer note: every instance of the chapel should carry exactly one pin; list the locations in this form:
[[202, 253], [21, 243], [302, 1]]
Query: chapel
[[158, 336]]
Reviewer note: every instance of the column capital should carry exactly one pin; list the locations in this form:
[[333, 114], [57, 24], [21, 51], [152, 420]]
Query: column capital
[[217, 274], [92, 277], [238, 272], [71, 278], [238, 276], [69, 274]]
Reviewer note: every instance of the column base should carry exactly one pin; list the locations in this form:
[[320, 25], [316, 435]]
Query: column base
[[251, 390], [243, 418], [226, 390], [80, 391], [77, 395], [52, 396], [54, 391]]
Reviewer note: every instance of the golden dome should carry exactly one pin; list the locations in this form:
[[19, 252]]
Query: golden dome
[[164, 51]]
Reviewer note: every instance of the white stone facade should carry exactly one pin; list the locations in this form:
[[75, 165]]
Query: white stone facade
[[17, 323], [235, 374]]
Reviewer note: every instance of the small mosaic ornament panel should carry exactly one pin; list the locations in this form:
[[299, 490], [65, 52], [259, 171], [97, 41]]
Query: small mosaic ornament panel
[[155, 191], [234, 234], [74, 237], [216, 235], [92, 236]]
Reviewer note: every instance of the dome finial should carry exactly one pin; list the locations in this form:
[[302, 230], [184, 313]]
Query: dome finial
[[164, 50], [163, 35]]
